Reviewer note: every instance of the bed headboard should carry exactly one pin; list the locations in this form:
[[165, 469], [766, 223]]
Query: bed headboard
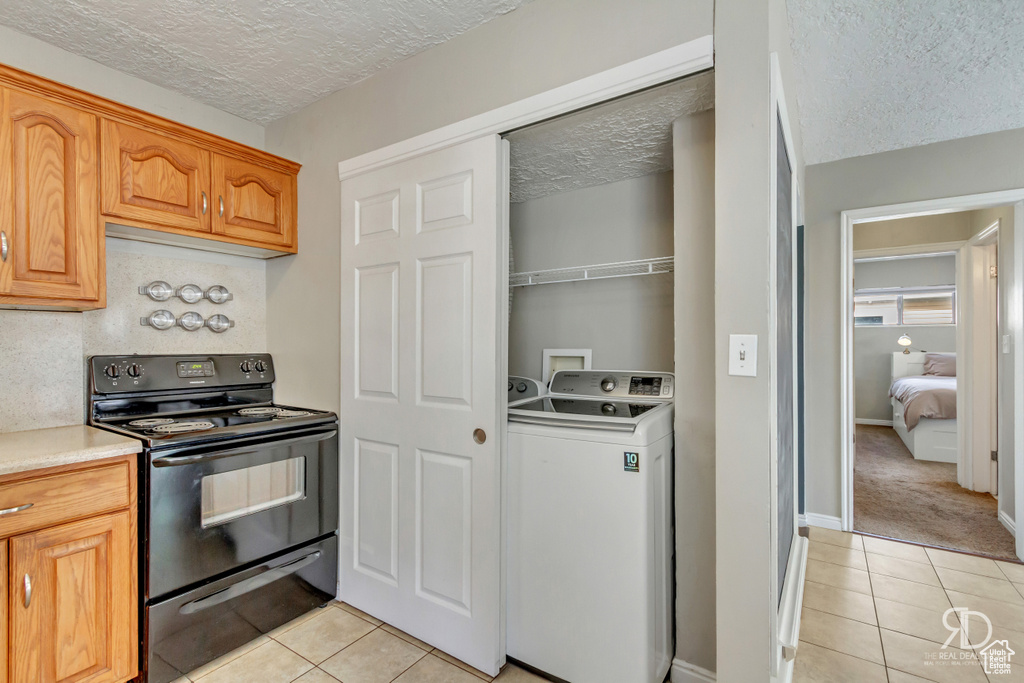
[[906, 364]]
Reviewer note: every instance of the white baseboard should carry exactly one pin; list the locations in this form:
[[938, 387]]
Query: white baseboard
[[823, 521], [684, 672], [869, 421], [1008, 523]]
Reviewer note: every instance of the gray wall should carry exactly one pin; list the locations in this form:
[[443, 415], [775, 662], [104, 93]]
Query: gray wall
[[54, 345], [626, 321], [540, 46], [905, 232], [905, 272], [983, 163], [746, 33]]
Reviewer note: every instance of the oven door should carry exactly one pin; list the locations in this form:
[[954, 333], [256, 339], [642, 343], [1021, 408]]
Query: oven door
[[213, 509]]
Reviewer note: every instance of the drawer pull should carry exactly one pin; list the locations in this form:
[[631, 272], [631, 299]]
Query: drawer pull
[[28, 591], [11, 511]]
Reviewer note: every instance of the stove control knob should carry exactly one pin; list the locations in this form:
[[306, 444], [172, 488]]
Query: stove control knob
[[112, 371], [245, 367], [134, 370], [608, 384], [260, 366]]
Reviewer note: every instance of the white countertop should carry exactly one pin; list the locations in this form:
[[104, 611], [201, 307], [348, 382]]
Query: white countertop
[[38, 448]]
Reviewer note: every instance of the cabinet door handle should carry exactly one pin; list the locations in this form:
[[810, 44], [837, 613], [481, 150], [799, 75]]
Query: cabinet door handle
[[222, 206], [28, 591], [205, 203], [10, 511], [3, 246]]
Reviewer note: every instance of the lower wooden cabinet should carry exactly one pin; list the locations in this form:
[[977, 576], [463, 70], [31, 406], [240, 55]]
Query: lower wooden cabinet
[[69, 594]]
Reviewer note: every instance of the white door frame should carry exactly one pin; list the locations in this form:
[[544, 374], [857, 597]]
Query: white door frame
[[1013, 316]]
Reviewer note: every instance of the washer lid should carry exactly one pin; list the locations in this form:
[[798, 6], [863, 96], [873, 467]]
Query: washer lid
[[586, 413]]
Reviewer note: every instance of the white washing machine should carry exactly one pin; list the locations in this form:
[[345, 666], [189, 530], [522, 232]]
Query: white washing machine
[[523, 388], [589, 581]]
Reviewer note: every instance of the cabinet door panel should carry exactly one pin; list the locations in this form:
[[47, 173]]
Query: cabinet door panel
[[49, 182], [4, 642], [253, 203], [155, 179], [81, 621]]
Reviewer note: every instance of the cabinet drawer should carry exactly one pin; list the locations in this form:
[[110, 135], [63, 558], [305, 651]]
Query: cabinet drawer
[[63, 498]]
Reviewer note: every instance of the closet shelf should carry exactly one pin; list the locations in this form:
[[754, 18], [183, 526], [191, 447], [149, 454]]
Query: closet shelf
[[601, 271]]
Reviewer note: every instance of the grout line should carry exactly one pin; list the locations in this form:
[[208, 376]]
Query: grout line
[[315, 665]]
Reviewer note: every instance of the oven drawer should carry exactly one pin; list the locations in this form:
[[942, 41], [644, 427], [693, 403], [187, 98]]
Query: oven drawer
[[192, 629], [48, 501]]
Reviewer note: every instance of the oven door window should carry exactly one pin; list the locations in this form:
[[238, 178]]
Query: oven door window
[[238, 493]]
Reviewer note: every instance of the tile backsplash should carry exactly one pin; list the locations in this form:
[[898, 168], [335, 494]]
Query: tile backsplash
[[42, 353]]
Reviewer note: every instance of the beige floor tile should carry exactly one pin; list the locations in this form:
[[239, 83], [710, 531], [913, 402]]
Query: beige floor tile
[[977, 633], [407, 638], [973, 584], [1016, 675], [431, 669], [359, 613], [914, 621], [902, 569], [280, 630], [843, 603], [513, 674], [910, 592], [816, 664], [965, 563], [848, 557], [832, 537], [203, 670], [834, 575], [904, 551], [268, 663], [923, 658], [1012, 570], [377, 658], [316, 676], [1000, 613], [326, 633], [903, 677], [842, 635], [462, 665]]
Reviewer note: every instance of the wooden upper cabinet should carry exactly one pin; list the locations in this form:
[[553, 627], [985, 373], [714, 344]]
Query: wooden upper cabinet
[[73, 613], [154, 179], [49, 213], [254, 203], [3, 612]]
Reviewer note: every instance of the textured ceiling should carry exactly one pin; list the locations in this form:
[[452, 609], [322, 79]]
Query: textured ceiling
[[627, 138], [259, 59], [876, 76]]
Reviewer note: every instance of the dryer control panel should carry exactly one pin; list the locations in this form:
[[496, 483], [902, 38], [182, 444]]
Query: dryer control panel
[[614, 384]]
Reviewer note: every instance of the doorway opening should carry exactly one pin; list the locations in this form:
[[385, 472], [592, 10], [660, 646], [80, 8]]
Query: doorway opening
[[930, 416]]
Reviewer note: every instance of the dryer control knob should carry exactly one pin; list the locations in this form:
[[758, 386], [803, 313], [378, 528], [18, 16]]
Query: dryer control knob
[[521, 387], [608, 384]]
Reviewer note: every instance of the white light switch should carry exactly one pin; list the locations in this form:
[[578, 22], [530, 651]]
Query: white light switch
[[743, 355]]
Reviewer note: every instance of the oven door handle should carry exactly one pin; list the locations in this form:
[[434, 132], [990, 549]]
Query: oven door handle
[[269, 575], [179, 460]]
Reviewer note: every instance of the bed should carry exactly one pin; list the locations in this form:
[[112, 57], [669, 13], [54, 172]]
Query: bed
[[932, 438]]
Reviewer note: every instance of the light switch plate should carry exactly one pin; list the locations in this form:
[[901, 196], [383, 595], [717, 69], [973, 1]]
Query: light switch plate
[[743, 355]]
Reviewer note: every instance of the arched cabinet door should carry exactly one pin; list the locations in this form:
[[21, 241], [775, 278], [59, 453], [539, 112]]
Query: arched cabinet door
[[51, 241], [154, 179], [254, 203]]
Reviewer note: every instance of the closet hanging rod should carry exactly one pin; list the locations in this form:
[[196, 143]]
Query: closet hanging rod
[[601, 271]]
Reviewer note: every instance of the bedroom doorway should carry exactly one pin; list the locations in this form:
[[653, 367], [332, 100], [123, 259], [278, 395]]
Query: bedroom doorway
[[932, 428]]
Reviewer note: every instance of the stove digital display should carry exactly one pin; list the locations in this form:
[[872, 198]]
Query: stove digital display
[[195, 369]]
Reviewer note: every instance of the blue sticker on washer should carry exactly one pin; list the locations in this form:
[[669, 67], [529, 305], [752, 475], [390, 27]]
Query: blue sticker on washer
[[631, 462]]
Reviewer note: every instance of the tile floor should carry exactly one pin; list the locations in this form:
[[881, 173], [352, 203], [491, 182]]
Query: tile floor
[[340, 643], [873, 611]]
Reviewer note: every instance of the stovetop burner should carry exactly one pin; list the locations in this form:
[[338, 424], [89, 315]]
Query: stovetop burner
[[151, 422], [172, 427], [292, 413], [260, 411]]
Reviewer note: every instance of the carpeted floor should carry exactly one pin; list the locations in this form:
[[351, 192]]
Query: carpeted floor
[[913, 500]]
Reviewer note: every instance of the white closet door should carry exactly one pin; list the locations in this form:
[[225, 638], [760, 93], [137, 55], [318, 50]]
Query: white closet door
[[420, 420]]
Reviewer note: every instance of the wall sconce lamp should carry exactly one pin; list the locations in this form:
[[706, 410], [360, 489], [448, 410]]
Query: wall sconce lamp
[[904, 341]]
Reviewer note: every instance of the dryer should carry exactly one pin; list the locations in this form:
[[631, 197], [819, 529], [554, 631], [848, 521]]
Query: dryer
[[589, 575], [522, 388]]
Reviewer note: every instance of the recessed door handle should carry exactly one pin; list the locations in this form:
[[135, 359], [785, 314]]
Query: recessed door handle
[[479, 435], [222, 206], [205, 203], [28, 591]]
